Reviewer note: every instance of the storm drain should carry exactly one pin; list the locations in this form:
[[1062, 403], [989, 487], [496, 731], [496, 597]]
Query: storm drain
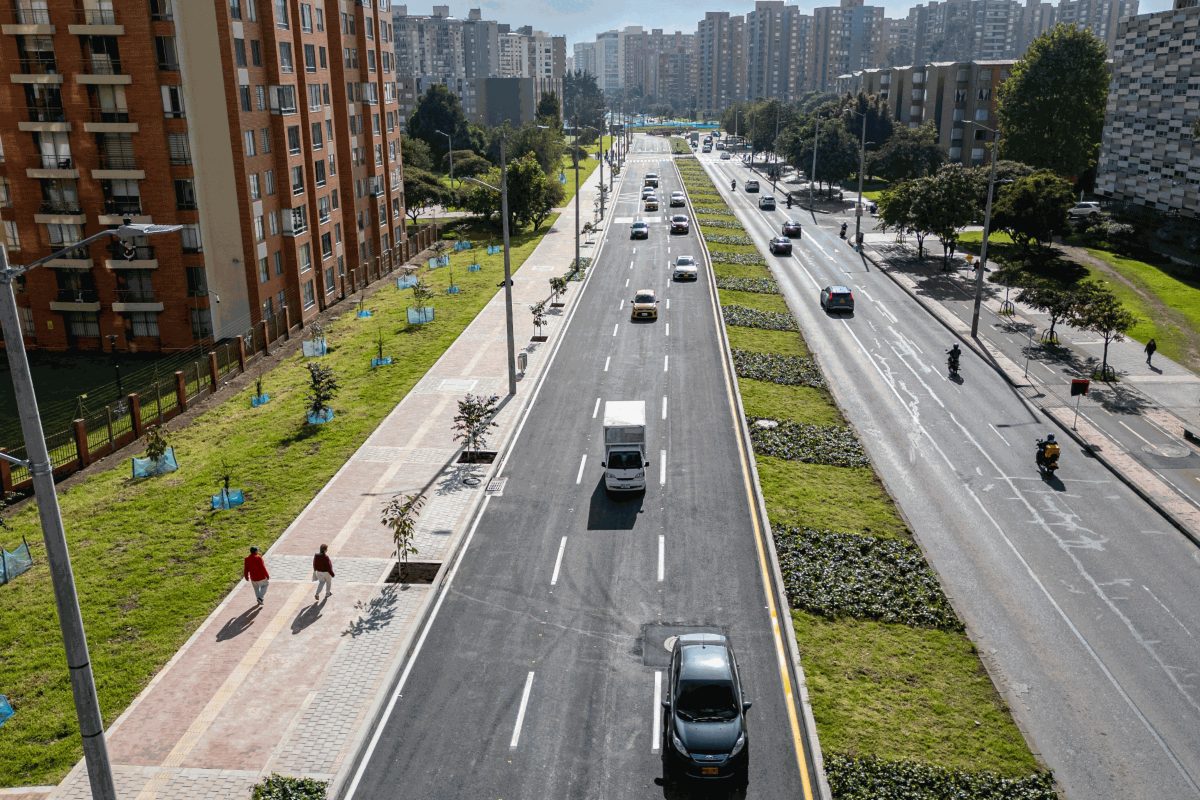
[[495, 487]]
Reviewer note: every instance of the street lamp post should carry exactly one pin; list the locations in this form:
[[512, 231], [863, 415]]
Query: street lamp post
[[862, 158], [66, 597], [987, 225], [812, 176], [575, 158], [449, 154]]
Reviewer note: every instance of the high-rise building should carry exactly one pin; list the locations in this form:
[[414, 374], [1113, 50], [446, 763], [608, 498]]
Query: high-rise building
[[845, 38], [1150, 149], [609, 66], [1037, 17], [269, 130], [1098, 16], [721, 62], [777, 48]]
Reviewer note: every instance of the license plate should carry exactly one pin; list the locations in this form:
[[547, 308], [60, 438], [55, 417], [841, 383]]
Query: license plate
[[709, 770]]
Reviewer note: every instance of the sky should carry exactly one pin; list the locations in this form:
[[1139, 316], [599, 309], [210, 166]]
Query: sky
[[581, 20]]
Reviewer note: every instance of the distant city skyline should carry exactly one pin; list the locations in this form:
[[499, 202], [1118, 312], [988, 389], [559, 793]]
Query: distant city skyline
[[581, 20]]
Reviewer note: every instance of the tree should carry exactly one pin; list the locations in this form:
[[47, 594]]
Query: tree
[[473, 421], [322, 388], [583, 102], [1051, 109], [558, 287], [1033, 208], [546, 145], [468, 164], [423, 191], [548, 111], [946, 203], [1055, 299], [1101, 313], [837, 150], [908, 153], [415, 154], [400, 517], [439, 109], [482, 201], [532, 196], [1006, 172], [879, 121], [538, 310], [900, 210]]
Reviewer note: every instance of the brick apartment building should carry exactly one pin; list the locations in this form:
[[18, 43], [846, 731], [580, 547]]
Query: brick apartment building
[[267, 128]]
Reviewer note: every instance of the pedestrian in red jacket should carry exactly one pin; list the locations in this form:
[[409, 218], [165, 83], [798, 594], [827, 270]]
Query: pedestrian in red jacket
[[323, 572], [254, 569]]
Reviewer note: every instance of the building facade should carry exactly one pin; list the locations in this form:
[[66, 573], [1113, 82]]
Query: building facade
[[721, 62], [1150, 153], [269, 130]]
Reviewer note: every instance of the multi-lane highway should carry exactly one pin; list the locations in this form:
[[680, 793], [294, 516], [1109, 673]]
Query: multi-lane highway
[[1084, 602], [541, 672]]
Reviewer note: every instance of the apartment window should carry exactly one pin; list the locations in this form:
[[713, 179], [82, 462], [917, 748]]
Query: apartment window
[[244, 98], [263, 270], [323, 57], [161, 10], [190, 237], [304, 257], [168, 56], [145, 323], [27, 324], [269, 176], [981, 115], [201, 323], [313, 90], [319, 172], [306, 20], [297, 180], [332, 164], [265, 136], [83, 324], [285, 57], [327, 250], [298, 220], [197, 282], [281, 13], [318, 140], [239, 52], [235, 9], [248, 137], [369, 28], [5, 193], [255, 187], [329, 283], [375, 127], [278, 259], [273, 222], [172, 97], [293, 139], [325, 101], [323, 209], [177, 146], [310, 298], [260, 97], [320, 18], [251, 11], [256, 52], [310, 58], [12, 237], [260, 230]]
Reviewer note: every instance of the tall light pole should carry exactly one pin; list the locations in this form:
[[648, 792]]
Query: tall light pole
[[449, 154], [862, 158], [812, 176], [987, 225], [66, 597], [575, 153], [775, 152]]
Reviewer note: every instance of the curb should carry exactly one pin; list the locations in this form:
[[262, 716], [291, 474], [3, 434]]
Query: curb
[[986, 354]]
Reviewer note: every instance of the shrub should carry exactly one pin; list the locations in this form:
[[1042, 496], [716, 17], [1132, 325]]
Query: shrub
[[705, 222], [756, 285], [718, 238], [745, 259], [787, 370], [850, 575], [281, 787], [719, 211], [833, 445], [871, 778], [753, 318]]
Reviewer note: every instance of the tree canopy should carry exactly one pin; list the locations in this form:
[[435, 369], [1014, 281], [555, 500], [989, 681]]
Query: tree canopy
[[532, 196], [415, 153], [1033, 208], [439, 110], [423, 191], [583, 102], [1051, 108], [908, 153], [837, 150], [548, 112]]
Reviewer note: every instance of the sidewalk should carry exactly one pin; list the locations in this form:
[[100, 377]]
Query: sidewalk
[[296, 686], [1166, 394]]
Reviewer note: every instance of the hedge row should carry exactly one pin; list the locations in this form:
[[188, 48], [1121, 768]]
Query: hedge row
[[721, 238], [756, 285], [753, 318], [716, 211], [869, 577], [832, 445], [719, 223], [775, 368], [744, 259], [870, 778], [281, 787]]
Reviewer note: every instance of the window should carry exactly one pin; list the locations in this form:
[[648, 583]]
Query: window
[[319, 172], [5, 195], [297, 180], [306, 18], [273, 222], [256, 52], [310, 58], [263, 273], [322, 57], [310, 298], [161, 10], [27, 320], [244, 98], [249, 141], [172, 97], [318, 140], [265, 136], [281, 13], [260, 231], [190, 237], [197, 282], [269, 176], [145, 323], [293, 139], [320, 19], [12, 237], [83, 323], [323, 209], [255, 188], [201, 323], [168, 57], [235, 9], [278, 259], [260, 97], [327, 249], [304, 257], [239, 52], [329, 282], [285, 57]]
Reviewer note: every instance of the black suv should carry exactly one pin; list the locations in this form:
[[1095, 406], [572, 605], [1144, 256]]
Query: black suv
[[704, 735]]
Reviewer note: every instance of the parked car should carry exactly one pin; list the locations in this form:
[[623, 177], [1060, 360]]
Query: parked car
[[645, 305], [751, 186], [679, 224], [1083, 210], [678, 199], [704, 735], [639, 230], [837, 298], [766, 202], [781, 246], [685, 269], [791, 228]]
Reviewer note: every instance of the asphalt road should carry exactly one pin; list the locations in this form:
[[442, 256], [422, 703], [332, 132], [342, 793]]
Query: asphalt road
[[539, 675], [1083, 601]]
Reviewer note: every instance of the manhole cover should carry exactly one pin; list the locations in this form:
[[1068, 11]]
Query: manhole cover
[[1166, 450], [471, 480], [495, 486]]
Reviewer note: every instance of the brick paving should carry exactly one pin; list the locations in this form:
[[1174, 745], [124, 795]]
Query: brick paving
[[293, 687]]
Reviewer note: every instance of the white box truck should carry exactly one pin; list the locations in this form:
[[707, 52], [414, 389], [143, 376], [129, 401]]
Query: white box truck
[[625, 446]]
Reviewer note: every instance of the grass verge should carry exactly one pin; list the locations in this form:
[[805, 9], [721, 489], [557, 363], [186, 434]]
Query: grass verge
[[151, 560]]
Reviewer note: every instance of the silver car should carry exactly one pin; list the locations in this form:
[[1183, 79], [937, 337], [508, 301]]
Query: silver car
[[685, 269]]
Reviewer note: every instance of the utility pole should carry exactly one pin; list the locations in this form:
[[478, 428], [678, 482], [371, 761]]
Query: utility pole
[[862, 158], [508, 312], [812, 203], [987, 225]]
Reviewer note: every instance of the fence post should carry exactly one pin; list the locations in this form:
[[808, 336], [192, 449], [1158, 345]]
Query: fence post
[[213, 377], [180, 391], [135, 415], [241, 346], [81, 442], [158, 399], [5, 474], [353, 286], [287, 323]]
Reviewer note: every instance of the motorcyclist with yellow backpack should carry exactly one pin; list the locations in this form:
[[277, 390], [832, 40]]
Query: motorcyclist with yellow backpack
[[1048, 451]]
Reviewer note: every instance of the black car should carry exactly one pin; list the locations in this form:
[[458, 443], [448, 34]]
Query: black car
[[837, 298], [704, 735], [781, 246], [791, 229], [751, 186]]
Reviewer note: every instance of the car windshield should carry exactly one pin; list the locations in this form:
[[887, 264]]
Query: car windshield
[[706, 701], [625, 459], [639, 225], [684, 261], [644, 297]]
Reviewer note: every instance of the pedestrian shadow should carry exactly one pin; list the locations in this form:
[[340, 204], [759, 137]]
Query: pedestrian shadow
[[236, 625], [308, 615], [375, 614], [1117, 399]]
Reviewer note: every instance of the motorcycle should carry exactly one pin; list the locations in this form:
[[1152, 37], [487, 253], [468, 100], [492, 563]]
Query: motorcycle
[[789, 201], [843, 232], [1047, 457], [952, 359], [733, 184]]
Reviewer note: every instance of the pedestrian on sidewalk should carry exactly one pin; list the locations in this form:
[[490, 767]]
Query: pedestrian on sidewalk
[[254, 569], [323, 572], [1151, 346]]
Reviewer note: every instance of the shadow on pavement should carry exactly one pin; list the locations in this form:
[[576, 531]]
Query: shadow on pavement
[[307, 616], [375, 614], [241, 622], [613, 512]]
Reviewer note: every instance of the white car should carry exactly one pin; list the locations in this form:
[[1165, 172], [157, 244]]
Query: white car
[[725, 155], [685, 269], [1084, 210], [678, 199]]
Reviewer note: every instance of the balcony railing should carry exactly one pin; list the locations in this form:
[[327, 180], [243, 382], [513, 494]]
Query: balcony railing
[[61, 207], [110, 114], [77, 296], [117, 161], [57, 162], [97, 16], [39, 66], [136, 296], [28, 14], [77, 254], [97, 65], [125, 206], [46, 114]]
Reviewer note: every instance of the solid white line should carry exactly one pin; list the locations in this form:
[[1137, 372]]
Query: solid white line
[[627, 283], [664, 410], [990, 425], [616, 328], [656, 713], [606, 360], [1135, 433], [582, 464], [562, 546], [521, 712], [596, 410], [668, 329], [666, 362], [621, 307], [662, 544], [662, 467]]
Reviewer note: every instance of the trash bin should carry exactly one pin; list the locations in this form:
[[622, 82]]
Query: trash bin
[[522, 362]]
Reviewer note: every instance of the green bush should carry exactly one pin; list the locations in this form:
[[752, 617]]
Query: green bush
[[753, 318], [756, 285], [869, 577], [718, 211], [787, 370], [719, 223], [746, 259], [719, 238], [281, 787], [834, 445], [870, 778]]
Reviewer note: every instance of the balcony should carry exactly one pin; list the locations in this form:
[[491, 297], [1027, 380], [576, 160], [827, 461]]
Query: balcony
[[102, 65], [110, 114], [57, 161], [96, 22], [77, 296], [136, 296], [39, 66], [25, 19], [46, 113], [123, 206], [124, 161]]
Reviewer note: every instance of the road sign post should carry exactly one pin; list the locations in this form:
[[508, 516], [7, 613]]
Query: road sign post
[[1079, 387]]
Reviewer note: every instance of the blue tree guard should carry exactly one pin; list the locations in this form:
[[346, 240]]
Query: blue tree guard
[[6, 709], [380, 362], [363, 313], [227, 499], [145, 468], [14, 563], [473, 268], [493, 249], [406, 282], [439, 261], [257, 400], [465, 244], [419, 316], [320, 419], [452, 290], [562, 177], [314, 347]]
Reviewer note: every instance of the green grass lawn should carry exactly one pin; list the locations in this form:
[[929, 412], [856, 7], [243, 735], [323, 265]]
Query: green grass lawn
[[823, 497], [797, 403], [763, 302], [151, 560], [741, 271]]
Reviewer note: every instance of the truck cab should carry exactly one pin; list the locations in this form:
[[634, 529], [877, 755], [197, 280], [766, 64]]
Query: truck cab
[[625, 446]]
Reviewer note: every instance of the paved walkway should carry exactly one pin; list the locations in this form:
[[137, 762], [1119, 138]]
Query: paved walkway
[[295, 686], [1165, 394]]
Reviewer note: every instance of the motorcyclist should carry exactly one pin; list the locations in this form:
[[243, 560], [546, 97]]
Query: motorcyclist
[[843, 233], [733, 184], [789, 199], [952, 359], [1047, 453]]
